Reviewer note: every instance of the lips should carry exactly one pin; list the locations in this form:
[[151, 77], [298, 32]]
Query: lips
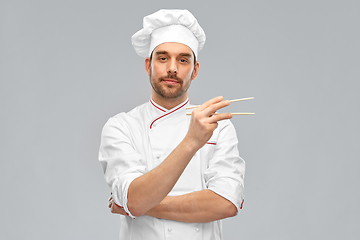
[[170, 81]]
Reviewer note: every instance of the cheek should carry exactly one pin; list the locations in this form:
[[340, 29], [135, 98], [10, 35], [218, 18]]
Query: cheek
[[155, 70], [190, 74], [152, 72]]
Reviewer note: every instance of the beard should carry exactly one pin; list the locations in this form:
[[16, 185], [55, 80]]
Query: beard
[[169, 91]]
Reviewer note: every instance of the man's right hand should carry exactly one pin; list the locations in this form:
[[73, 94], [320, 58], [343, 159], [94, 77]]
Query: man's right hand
[[114, 208], [204, 122]]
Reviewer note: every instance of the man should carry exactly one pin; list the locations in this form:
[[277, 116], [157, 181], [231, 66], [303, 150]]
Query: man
[[172, 176]]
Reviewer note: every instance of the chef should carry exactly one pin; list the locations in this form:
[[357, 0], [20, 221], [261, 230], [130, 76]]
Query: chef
[[174, 172]]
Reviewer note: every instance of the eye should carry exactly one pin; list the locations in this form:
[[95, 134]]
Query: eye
[[162, 59], [183, 60]]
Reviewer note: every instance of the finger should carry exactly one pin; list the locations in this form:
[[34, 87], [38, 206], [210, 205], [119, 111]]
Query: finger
[[210, 102], [110, 198], [210, 110], [219, 117], [110, 204]]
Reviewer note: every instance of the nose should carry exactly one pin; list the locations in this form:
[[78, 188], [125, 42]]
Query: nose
[[172, 67]]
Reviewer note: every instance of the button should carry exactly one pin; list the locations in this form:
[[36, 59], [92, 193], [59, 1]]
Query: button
[[197, 229], [158, 156], [169, 229]]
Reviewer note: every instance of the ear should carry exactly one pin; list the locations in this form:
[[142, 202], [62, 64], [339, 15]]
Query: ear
[[147, 65], [196, 70]]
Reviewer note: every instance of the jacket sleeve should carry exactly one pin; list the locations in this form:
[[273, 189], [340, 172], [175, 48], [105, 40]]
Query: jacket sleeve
[[226, 169], [120, 161]]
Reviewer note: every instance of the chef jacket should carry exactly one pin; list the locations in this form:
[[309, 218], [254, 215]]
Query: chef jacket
[[135, 142]]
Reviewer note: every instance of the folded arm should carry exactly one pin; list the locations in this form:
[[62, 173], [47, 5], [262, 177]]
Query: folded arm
[[197, 207]]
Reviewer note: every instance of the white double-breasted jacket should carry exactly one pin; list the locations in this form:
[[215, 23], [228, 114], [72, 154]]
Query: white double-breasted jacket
[[135, 142]]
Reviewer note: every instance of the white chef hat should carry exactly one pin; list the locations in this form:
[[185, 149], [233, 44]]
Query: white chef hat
[[168, 26]]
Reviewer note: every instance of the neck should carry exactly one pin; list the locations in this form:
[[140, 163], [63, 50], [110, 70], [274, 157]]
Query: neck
[[168, 103]]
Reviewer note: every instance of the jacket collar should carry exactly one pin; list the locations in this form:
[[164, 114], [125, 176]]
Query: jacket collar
[[165, 112]]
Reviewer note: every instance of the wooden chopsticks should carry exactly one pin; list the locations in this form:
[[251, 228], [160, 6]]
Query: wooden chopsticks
[[230, 113], [234, 100]]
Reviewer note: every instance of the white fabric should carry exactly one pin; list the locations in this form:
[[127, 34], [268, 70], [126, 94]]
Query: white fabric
[[133, 143], [158, 23], [174, 33]]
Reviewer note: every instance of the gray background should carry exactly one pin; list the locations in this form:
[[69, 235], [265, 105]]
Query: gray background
[[67, 66]]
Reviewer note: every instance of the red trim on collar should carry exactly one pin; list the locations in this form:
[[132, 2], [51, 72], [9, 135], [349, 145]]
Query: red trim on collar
[[168, 113], [211, 143], [156, 106]]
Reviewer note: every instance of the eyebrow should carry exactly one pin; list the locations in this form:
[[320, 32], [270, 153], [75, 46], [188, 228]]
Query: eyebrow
[[186, 55], [161, 52]]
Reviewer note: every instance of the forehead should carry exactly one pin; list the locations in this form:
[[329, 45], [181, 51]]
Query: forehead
[[173, 48]]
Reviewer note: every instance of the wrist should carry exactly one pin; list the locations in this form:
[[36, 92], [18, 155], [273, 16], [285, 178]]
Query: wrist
[[191, 145]]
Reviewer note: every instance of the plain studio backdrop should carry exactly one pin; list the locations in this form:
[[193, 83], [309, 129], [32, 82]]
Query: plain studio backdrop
[[67, 66]]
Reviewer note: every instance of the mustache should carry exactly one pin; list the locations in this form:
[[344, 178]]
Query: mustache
[[171, 76]]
